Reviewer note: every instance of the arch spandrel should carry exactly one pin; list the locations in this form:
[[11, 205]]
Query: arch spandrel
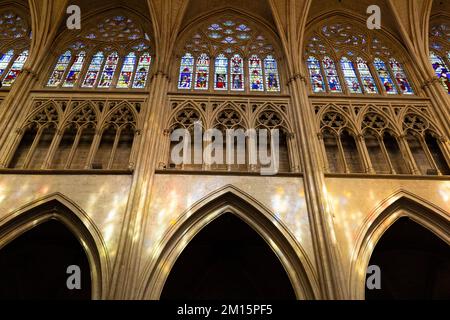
[[398, 205], [60, 208], [229, 199]]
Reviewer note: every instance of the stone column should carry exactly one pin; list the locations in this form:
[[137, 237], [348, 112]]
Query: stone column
[[46, 17]]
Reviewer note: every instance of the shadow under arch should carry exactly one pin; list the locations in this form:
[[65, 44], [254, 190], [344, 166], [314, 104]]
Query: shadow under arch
[[401, 204], [230, 200], [57, 207]]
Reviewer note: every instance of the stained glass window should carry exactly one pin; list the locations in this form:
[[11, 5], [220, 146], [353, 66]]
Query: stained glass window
[[5, 60], [440, 51], [60, 68], [315, 75], [109, 70], [237, 73], [74, 72], [366, 77], [224, 42], [140, 80], [105, 68], [127, 72], [441, 70], [400, 77], [385, 76], [12, 25], [16, 68], [350, 76], [221, 73], [186, 71], [94, 70], [202, 72], [271, 73], [334, 84], [256, 76]]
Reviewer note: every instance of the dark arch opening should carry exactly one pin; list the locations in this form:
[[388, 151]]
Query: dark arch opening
[[34, 266], [228, 260], [414, 264]]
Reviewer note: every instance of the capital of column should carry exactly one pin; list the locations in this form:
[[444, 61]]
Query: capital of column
[[160, 73], [295, 77], [30, 72], [430, 82]]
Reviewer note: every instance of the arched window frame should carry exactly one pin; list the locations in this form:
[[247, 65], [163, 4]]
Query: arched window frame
[[140, 44], [368, 46], [203, 44], [17, 39]]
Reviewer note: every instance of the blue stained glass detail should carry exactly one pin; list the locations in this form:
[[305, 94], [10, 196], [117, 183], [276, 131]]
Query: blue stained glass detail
[[94, 70], [385, 76], [442, 71], [366, 77], [127, 72], [221, 73], [202, 72], [315, 75], [350, 77], [334, 84], [5, 60], [186, 72], [60, 68], [256, 77], [272, 76], [140, 80], [109, 70], [15, 69]]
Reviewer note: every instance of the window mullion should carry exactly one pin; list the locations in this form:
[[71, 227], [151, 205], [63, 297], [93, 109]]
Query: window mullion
[[84, 70], [394, 79], [118, 71], [33, 147], [358, 77], [376, 78], [74, 148], [135, 70], [68, 67], [114, 149]]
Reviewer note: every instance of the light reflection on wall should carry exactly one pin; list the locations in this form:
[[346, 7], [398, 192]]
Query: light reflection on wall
[[353, 200], [172, 195], [103, 198]]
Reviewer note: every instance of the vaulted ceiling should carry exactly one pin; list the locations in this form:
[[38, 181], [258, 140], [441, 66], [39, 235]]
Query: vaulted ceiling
[[440, 7], [357, 7], [259, 8]]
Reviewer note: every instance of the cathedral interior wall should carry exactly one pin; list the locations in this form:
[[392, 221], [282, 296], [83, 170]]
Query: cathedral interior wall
[[357, 202], [103, 198]]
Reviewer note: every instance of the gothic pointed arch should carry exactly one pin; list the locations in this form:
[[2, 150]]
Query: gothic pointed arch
[[398, 205], [58, 207], [230, 52], [342, 57], [113, 50], [230, 200]]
